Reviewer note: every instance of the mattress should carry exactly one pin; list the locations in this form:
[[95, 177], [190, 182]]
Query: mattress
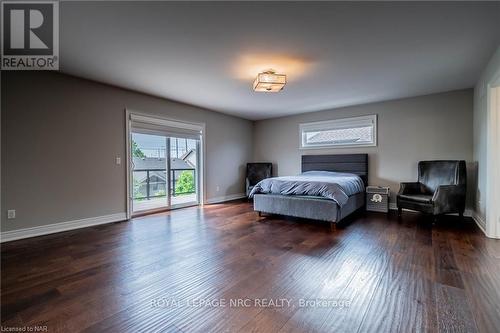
[[335, 186]]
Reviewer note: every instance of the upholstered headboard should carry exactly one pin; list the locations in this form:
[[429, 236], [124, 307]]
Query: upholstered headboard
[[352, 163]]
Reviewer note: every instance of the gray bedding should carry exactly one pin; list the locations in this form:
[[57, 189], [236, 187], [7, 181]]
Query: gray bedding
[[336, 186]]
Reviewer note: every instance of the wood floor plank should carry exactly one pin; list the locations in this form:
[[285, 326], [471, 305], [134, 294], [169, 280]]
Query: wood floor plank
[[453, 312]]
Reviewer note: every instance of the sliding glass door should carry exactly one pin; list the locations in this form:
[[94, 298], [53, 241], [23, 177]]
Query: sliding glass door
[[149, 172], [183, 171], [165, 168]]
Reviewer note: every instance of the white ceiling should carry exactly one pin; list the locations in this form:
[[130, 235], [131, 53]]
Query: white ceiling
[[335, 54]]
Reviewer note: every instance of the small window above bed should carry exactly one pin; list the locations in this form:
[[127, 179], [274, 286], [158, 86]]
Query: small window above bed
[[346, 132]]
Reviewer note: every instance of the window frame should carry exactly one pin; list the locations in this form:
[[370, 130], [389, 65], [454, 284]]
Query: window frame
[[337, 124]]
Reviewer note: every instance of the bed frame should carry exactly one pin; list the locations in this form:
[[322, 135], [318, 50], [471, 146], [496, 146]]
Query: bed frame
[[315, 208]]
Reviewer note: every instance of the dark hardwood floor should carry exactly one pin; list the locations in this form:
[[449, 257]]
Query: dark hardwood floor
[[172, 272]]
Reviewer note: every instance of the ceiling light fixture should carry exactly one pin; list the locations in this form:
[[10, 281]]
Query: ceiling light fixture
[[269, 81]]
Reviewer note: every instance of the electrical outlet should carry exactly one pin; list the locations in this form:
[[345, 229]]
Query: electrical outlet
[[217, 188], [11, 214], [118, 160]]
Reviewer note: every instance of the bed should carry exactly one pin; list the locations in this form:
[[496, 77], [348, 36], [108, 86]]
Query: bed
[[326, 204]]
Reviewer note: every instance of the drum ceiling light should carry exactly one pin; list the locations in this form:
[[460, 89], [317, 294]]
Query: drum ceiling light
[[269, 81]]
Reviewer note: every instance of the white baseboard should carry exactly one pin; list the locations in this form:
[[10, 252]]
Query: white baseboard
[[226, 198], [8, 236], [481, 223]]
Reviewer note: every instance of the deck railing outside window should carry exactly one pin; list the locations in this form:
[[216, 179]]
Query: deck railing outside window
[[151, 183]]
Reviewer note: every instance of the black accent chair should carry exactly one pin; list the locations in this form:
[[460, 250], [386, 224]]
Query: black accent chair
[[257, 172], [440, 189]]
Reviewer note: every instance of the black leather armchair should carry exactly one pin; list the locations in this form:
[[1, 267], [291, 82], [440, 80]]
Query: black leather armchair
[[257, 172], [440, 189]]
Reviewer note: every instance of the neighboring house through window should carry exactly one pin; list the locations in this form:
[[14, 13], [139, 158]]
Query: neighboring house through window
[[346, 132]]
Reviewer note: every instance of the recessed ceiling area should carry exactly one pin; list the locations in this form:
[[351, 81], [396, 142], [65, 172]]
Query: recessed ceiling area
[[333, 54]]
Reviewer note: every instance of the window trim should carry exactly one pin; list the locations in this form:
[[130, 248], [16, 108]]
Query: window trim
[[336, 123]]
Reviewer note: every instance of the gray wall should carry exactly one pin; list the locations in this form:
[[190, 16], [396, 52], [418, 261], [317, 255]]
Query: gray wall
[[480, 133], [60, 137], [437, 126]]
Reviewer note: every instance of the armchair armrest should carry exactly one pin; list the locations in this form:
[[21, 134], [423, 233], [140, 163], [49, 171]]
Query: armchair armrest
[[449, 199], [408, 188], [449, 192], [247, 187]]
